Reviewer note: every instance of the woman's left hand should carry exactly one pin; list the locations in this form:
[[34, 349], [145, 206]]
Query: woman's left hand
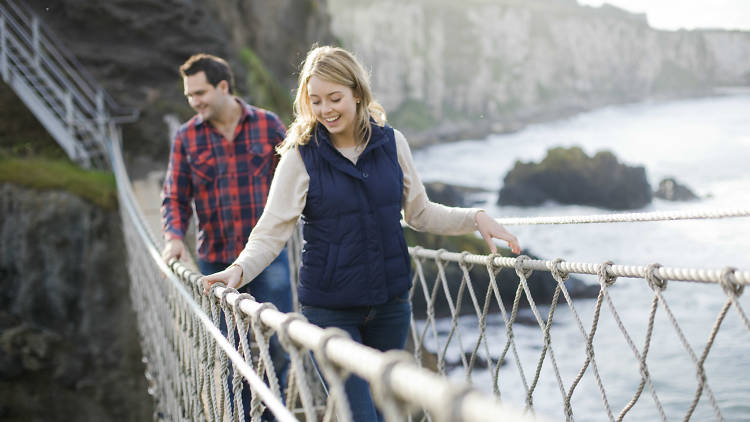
[[489, 229]]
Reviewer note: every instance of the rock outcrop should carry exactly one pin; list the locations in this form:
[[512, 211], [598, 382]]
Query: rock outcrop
[[569, 176], [69, 348], [671, 190], [447, 69], [453, 195]]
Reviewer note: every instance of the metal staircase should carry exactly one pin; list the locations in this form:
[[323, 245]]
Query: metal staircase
[[66, 100]]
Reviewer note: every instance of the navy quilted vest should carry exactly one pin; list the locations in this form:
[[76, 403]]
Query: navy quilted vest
[[355, 253]]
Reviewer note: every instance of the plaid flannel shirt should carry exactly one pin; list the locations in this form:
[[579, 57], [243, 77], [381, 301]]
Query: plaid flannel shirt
[[227, 181]]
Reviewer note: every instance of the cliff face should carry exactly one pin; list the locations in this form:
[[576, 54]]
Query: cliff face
[[69, 348], [489, 64], [134, 48]]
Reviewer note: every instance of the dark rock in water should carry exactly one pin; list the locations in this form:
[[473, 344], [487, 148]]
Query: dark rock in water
[[451, 195], [671, 190], [541, 285], [69, 348], [569, 176]]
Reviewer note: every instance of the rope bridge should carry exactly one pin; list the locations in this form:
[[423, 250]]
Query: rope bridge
[[456, 370], [188, 359]]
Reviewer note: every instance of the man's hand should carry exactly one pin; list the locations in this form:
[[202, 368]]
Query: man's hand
[[231, 277], [173, 249], [489, 228]]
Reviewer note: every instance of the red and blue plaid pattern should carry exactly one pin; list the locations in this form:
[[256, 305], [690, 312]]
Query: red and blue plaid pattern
[[228, 181]]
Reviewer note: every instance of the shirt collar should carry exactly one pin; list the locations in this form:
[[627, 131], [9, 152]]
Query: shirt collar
[[248, 113]]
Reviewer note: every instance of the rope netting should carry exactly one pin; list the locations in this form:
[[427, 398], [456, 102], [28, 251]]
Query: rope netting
[[496, 319]]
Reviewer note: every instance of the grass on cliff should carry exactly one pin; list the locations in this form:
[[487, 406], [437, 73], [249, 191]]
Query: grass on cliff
[[30, 157], [97, 187]]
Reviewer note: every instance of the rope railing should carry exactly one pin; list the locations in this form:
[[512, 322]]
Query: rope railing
[[465, 335], [632, 271], [628, 217]]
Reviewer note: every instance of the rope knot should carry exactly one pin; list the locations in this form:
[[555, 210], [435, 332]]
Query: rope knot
[[491, 264], [462, 260], [227, 291], [237, 311], [329, 333], [558, 273], [212, 289], [654, 281], [266, 331], [284, 337], [605, 278], [335, 375], [382, 392], [520, 269], [729, 284]]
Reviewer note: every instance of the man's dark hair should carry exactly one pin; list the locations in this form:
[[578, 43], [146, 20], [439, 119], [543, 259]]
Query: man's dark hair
[[216, 69]]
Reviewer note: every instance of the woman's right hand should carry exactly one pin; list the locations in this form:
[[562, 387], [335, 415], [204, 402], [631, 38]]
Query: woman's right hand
[[231, 277]]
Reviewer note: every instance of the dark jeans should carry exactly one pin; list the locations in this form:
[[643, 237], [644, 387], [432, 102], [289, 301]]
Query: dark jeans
[[272, 285], [383, 327]]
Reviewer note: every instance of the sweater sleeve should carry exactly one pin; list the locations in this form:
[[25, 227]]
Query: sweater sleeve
[[286, 200], [419, 212]]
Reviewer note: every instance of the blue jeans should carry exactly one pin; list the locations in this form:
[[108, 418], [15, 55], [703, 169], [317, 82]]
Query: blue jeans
[[272, 285], [383, 327]]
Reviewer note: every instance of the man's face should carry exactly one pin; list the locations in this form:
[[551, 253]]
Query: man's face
[[206, 99]]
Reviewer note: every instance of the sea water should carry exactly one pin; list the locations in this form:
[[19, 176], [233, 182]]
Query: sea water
[[705, 144]]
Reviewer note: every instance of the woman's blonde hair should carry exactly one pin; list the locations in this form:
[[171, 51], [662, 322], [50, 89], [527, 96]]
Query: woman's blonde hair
[[336, 65]]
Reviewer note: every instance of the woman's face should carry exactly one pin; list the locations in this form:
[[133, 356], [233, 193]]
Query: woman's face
[[335, 107]]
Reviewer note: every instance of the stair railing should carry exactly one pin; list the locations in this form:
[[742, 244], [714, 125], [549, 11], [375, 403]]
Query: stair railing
[[78, 113]]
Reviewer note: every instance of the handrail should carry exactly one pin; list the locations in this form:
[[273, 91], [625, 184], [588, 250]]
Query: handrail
[[696, 275], [70, 66], [130, 207]]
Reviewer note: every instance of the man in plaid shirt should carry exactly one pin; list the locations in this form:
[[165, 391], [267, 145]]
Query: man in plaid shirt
[[222, 162]]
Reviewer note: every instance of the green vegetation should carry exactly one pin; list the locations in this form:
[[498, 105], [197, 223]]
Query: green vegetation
[[265, 90], [412, 114], [97, 187], [30, 157]]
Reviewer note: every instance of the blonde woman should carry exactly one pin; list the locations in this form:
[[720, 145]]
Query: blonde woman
[[350, 176]]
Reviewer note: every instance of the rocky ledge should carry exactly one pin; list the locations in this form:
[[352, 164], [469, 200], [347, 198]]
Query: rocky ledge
[[69, 348]]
